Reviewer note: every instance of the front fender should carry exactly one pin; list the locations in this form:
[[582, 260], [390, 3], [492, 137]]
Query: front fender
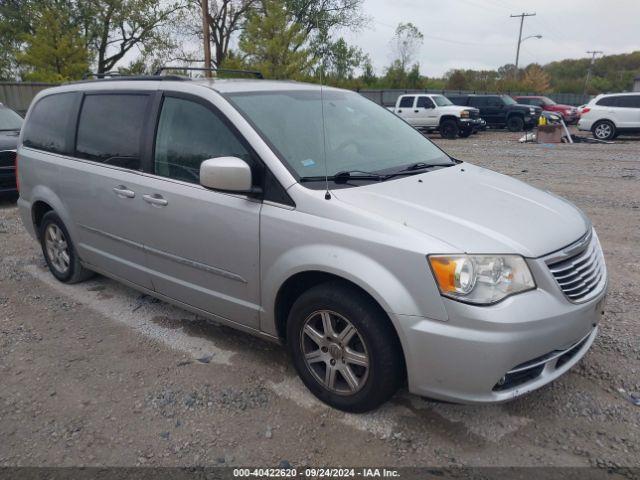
[[361, 270]]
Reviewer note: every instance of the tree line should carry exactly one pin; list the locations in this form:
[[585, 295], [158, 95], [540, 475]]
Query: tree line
[[62, 40]]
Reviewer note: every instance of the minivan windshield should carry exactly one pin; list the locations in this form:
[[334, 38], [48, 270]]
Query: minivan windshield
[[357, 134], [9, 120]]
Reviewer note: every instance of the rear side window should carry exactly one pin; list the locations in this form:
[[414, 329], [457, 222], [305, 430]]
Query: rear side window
[[110, 129], [47, 128], [524, 101], [616, 101], [406, 102], [478, 101], [188, 134], [425, 102]]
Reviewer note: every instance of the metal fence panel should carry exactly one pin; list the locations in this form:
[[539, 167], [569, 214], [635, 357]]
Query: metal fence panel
[[18, 95]]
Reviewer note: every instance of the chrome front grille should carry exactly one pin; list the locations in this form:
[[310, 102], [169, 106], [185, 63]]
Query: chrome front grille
[[579, 269]]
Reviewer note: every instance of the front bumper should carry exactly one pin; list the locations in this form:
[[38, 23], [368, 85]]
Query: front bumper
[[469, 122], [8, 180], [499, 352]]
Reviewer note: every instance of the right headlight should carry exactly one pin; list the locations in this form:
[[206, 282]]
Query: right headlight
[[481, 279]]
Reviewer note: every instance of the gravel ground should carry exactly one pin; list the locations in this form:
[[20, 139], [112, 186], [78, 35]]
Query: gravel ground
[[98, 374]]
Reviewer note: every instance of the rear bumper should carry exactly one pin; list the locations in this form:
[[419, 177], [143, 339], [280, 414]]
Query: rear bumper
[[584, 125]]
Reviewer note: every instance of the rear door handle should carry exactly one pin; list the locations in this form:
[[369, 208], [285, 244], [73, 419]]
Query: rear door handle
[[156, 200], [124, 192]]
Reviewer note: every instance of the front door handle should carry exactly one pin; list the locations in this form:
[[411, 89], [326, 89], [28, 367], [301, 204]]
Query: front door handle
[[156, 200], [124, 192]]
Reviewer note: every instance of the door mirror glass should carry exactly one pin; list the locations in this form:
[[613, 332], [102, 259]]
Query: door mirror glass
[[229, 174]]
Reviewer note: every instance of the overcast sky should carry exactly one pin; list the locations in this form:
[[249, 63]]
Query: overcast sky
[[480, 34]]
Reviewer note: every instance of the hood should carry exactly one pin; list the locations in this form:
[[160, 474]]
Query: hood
[[456, 109], [560, 106], [9, 140], [474, 210], [527, 107]]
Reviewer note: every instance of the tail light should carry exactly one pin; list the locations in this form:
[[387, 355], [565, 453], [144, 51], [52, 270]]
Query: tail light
[[585, 110], [15, 163]]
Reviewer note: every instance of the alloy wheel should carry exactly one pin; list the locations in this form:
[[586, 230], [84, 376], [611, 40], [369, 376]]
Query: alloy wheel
[[603, 131], [334, 352], [57, 248]]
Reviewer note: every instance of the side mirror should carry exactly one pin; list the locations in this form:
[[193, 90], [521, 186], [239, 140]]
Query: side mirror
[[229, 174]]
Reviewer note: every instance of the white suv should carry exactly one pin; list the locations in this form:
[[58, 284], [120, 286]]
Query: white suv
[[610, 115]]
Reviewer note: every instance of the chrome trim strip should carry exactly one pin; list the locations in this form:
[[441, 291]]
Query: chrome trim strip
[[192, 263], [552, 356], [176, 258], [571, 250]]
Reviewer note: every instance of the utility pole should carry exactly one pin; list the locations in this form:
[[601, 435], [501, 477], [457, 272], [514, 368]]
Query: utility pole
[[593, 60], [522, 15], [207, 37]]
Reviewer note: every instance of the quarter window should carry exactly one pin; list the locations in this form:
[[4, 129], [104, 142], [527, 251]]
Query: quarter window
[[110, 129], [188, 134], [47, 125]]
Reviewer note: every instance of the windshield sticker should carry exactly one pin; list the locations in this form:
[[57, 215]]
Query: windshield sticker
[[308, 163]]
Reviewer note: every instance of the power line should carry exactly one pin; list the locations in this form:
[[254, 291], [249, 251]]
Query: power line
[[522, 15]]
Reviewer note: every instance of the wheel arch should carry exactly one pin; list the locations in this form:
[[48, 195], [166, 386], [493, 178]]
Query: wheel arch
[[302, 281], [43, 200], [448, 116]]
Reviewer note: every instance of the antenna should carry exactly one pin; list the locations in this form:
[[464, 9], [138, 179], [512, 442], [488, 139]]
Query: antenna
[[327, 195]]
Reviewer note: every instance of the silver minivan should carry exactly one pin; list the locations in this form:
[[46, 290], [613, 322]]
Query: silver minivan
[[312, 216]]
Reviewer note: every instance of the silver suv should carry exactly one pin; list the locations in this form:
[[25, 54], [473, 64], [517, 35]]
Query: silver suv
[[314, 217]]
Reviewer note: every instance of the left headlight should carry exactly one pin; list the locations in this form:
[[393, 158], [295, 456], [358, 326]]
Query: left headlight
[[481, 279], [465, 114]]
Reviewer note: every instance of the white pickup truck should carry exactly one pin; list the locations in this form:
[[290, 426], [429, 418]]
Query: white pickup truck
[[432, 112]]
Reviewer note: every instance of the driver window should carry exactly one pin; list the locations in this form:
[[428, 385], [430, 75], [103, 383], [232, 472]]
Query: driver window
[[188, 134], [425, 102]]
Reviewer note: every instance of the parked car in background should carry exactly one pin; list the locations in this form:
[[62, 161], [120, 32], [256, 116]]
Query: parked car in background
[[429, 113], [569, 113], [501, 111], [10, 124], [314, 217], [610, 115]]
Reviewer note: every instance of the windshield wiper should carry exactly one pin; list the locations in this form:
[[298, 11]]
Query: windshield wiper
[[415, 169], [345, 176]]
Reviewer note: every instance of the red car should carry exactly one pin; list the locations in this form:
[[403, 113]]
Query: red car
[[569, 114]]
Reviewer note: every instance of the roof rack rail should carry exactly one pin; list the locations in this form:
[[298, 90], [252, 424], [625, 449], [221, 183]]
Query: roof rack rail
[[115, 76], [255, 73]]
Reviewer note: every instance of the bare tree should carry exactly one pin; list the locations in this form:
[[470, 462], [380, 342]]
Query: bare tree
[[405, 44], [116, 26]]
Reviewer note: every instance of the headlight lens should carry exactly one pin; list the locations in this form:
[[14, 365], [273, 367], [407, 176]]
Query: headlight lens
[[532, 111], [464, 114], [481, 279]]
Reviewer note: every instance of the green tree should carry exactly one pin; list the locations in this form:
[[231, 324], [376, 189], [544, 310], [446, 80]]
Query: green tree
[[271, 42], [56, 51], [457, 80]]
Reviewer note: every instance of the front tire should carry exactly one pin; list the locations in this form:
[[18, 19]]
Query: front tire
[[466, 132], [344, 347], [449, 129], [59, 252], [604, 130], [515, 123]]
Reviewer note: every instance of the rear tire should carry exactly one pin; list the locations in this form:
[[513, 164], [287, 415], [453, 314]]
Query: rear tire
[[449, 129], [59, 252], [344, 347], [515, 123], [604, 130]]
